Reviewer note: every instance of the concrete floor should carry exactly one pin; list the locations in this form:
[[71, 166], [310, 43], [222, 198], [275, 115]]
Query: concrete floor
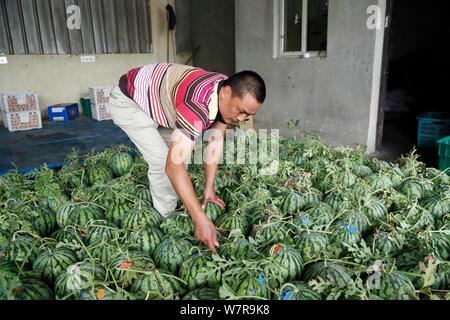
[[400, 137]]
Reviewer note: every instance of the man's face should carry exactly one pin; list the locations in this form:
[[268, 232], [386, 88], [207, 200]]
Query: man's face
[[235, 109]]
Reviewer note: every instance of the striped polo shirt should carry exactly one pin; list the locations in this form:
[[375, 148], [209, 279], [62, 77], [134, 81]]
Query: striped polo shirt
[[175, 96]]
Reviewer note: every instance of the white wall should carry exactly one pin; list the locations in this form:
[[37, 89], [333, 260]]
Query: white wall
[[63, 78]]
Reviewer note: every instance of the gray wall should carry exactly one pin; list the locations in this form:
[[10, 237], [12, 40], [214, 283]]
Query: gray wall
[[213, 31], [331, 96]]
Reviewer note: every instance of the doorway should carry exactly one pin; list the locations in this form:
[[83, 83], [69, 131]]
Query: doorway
[[416, 76]]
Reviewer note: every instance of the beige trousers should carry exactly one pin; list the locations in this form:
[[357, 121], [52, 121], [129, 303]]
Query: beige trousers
[[143, 131]]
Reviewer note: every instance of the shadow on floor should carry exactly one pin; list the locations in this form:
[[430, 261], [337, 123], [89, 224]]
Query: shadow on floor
[[400, 138]]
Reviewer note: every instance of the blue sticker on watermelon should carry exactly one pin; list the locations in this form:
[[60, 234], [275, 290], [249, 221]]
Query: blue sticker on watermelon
[[351, 229], [261, 279], [287, 295], [305, 220]]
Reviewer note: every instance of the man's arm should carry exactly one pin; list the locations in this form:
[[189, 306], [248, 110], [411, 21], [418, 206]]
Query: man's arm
[[214, 153], [180, 150]]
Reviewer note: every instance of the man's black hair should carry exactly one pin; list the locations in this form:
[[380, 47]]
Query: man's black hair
[[245, 82]]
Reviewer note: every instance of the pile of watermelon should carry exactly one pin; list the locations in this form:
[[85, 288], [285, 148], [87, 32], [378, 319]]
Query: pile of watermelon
[[330, 224]]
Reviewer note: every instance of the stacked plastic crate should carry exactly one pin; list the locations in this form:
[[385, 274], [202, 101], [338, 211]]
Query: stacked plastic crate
[[20, 110], [99, 97]]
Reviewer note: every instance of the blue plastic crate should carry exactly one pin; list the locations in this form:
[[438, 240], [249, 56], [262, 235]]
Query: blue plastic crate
[[444, 154], [63, 112], [432, 127]]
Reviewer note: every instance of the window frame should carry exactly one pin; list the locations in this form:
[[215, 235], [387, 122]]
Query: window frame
[[279, 36]]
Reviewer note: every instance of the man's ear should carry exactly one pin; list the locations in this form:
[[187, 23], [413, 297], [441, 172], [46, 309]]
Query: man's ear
[[226, 91]]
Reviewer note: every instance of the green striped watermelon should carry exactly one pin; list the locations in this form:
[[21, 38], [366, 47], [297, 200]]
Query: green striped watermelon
[[299, 158], [52, 262], [156, 285], [101, 231], [77, 179], [171, 252], [239, 248], [297, 291], [63, 213], [355, 218], [97, 293], [146, 240], [259, 195], [346, 178], [271, 232], [145, 195], [44, 223], [362, 171], [301, 221], [312, 197], [120, 163], [287, 260], [379, 182], [437, 205], [374, 209], [8, 270], [386, 243], [127, 267], [140, 217], [104, 252], [261, 213], [117, 212], [254, 287], [85, 214], [321, 214], [333, 272], [395, 286], [52, 203], [412, 189], [311, 245], [23, 249], [107, 196], [179, 222], [396, 177], [359, 191], [441, 278], [5, 238], [78, 276], [379, 165], [99, 174], [202, 294], [230, 222], [213, 211], [338, 200], [439, 242], [343, 235], [32, 289], [194, 271], [291, 202], [69, 234], [419, 218]]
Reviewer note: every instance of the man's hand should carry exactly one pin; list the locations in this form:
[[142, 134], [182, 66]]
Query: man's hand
[[180, 150], [210, 196], [205, 231]]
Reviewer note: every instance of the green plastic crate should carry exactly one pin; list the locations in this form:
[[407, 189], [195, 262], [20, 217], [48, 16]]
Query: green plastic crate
[[444, 153], [432, 127], [86, 106]]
